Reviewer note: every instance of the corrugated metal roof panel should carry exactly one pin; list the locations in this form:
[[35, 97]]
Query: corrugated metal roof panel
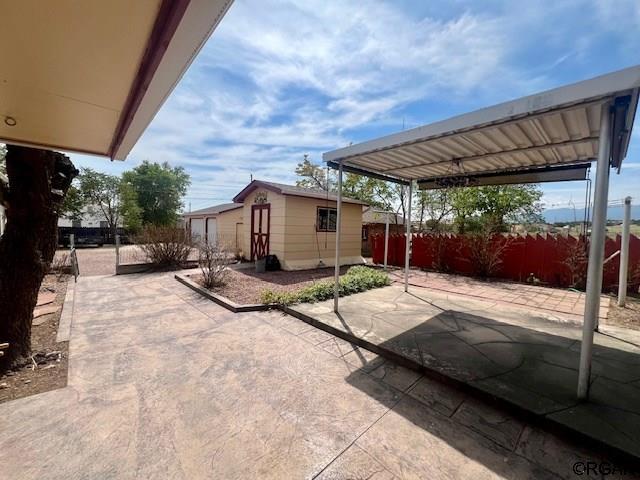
[[559, 126]]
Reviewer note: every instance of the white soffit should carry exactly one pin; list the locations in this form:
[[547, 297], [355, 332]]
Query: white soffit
[[89, 76], [556, 127]]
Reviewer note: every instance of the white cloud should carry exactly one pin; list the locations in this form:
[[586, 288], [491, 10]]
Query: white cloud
[[281, 78]]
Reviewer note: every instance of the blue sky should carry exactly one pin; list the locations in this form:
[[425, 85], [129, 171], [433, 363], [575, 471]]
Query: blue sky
[[279, 79]]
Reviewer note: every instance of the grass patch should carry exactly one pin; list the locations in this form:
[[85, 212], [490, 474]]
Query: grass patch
[[357, 279]]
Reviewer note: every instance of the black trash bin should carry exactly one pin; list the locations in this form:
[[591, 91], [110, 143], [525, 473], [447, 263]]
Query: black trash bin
[[272, 264]]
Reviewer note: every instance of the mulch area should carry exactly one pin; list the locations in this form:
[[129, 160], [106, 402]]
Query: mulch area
[[48, 369], [245, 286], [627, 316]]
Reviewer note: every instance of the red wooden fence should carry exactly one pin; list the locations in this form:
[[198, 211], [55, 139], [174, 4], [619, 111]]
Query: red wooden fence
[[553, 259]]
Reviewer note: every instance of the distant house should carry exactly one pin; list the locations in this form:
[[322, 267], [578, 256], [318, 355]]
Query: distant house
[[374, 223], [90, 227], [296, 224]]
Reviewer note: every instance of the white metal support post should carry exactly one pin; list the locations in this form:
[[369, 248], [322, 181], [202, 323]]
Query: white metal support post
[[596, 252], [624, 253], [336, 286], [117, 250], [407, 246], [386, 241]]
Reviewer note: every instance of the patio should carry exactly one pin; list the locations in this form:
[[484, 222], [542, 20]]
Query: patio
[[165, 384], [569, 303], [527, 358]]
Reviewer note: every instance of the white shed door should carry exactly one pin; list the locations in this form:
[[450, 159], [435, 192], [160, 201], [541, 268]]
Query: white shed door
[[212, 231], [197, 229]]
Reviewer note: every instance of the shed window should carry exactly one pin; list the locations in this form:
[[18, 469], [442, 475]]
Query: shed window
[[327, 218]]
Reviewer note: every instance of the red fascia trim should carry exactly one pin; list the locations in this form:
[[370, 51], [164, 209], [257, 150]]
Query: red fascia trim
[[169, 17], [254, 185]]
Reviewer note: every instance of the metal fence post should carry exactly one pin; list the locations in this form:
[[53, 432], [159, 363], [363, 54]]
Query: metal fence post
[[117, 251], [386, 241], [624, 253]]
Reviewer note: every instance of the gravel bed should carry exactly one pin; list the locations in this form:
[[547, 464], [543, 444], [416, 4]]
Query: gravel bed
[[245, 286]]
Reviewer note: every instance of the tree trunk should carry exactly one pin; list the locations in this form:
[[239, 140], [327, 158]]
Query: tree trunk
[[38, 182]]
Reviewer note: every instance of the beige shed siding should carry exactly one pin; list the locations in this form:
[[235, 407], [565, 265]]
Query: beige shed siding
[[276, 238], [226, 223], [293, 237], [304, 247]]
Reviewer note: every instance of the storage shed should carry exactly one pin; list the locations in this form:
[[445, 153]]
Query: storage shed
[[217, 224], [298, 225]]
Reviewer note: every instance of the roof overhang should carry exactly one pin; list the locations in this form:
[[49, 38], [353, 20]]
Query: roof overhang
[[90, 76], [549, 129]]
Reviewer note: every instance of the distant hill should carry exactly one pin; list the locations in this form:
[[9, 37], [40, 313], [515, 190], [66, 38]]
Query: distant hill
[[567, 214]]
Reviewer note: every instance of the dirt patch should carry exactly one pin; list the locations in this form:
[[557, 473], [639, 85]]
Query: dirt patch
[[48, 370], [627, 316], [245, 286], [94, 260]]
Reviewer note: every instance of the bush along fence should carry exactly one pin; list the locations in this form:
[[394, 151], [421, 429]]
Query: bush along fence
[[553, 260]]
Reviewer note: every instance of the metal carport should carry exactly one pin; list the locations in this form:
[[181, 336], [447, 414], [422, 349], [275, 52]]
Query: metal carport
[[549, 136]]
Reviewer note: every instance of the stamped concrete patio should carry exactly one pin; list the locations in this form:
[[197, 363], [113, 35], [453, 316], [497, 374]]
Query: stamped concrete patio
[[165, 384], [527, 358], [569, 303]]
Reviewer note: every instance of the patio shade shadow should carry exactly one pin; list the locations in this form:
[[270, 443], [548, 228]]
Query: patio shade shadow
[[525, 360], [533, 370]]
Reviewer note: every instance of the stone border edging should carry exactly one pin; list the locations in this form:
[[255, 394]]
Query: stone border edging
[[223, 301], [66, 316]]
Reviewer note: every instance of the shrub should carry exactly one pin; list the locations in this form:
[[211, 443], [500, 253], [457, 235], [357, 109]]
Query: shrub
[[214, 260], [576, 261], [357, 279], [485, 251], [165, 247]]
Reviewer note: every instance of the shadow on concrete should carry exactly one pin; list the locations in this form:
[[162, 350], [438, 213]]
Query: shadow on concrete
[[528, 370]]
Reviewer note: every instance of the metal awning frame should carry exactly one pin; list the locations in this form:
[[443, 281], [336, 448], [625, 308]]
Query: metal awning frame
[[617, 112]]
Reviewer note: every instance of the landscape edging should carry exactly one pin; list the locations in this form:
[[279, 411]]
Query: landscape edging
[[224, 301]]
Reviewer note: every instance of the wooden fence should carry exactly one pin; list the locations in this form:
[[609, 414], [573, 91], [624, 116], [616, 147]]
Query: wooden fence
[[553, 260]]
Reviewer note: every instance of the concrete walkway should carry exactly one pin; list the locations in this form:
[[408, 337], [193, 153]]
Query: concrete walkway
[[165, 384], [526, 358]]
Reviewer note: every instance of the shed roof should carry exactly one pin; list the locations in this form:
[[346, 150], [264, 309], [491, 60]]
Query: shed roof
[[215, 210], [555, 127], [377, 215], [90, 76], [294, 190]]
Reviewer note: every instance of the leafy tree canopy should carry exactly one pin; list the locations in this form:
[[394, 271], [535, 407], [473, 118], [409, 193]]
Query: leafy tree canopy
[[376, 193], [159, 189]]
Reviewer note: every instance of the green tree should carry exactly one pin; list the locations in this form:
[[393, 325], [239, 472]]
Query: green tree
[[73, 203], [130, 210], [101, 195], [432, 208], [491, 208], [312, 175], [159, 189], [376, 193]]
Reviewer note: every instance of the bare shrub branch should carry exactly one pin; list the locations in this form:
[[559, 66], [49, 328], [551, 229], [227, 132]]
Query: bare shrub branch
[[165, 247], [486, 251], [214, 260], [576, 261]]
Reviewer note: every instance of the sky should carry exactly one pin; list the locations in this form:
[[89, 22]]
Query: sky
[[280, 79]]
